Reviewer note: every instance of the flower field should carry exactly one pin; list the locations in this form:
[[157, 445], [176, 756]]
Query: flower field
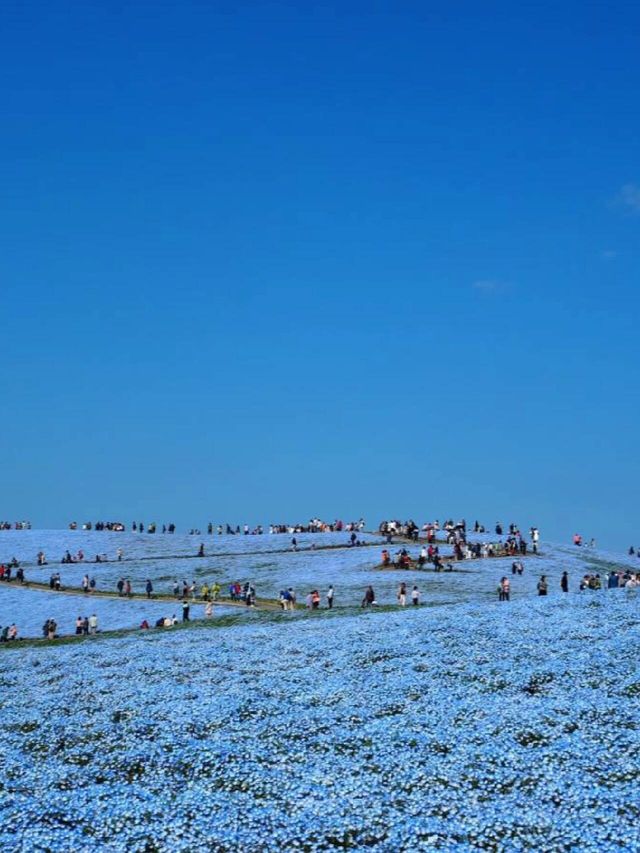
[[479, 726], [466, 724]]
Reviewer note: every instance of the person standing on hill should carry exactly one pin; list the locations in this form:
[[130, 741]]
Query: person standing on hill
[[415, 596], [402, 594], [564, 582], [535, 538], [185, 611], [543, 586], [149, 588], [330, 594], [504, 590]]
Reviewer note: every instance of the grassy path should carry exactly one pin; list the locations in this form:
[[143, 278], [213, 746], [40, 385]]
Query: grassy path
[[219, 622], [261, 603]]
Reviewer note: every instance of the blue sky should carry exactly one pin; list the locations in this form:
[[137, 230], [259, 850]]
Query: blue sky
[[264, 261]]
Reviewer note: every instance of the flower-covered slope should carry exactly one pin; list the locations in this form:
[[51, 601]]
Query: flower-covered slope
[[479, 726]]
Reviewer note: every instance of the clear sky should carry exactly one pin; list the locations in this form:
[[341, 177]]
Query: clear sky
[[262, 261]]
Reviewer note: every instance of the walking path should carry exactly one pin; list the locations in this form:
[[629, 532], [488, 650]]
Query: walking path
[[261, 603]]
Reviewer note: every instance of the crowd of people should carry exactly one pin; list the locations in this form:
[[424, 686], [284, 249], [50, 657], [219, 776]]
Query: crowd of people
[[462, 550], [314, 525], [403, 560], [611, 580]]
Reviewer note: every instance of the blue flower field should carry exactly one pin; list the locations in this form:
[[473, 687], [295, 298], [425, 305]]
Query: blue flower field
[[467, 724]]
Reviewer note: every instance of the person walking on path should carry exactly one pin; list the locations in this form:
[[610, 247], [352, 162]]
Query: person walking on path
[[185, 611], [402, 594], [149, 588], [564, 582], [415, 596], [369, 597], [330, 594], [93, 624]]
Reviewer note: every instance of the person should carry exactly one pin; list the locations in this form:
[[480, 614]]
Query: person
[[92, 585], [577, 539], [315, 599], [294, 543], [185, 611], [208, 610], [85, 584], [564, 582], [120, 586], [119, 554], [176, 589], [149, 588], [369, 597], [386, 558], [51, 629], [144, 625], [201, 550], [330, 594], [79, 625], [93, 624], [543, 587], [504, 590], [535, 538], [415, 596], [127, 588], [402, 594]]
